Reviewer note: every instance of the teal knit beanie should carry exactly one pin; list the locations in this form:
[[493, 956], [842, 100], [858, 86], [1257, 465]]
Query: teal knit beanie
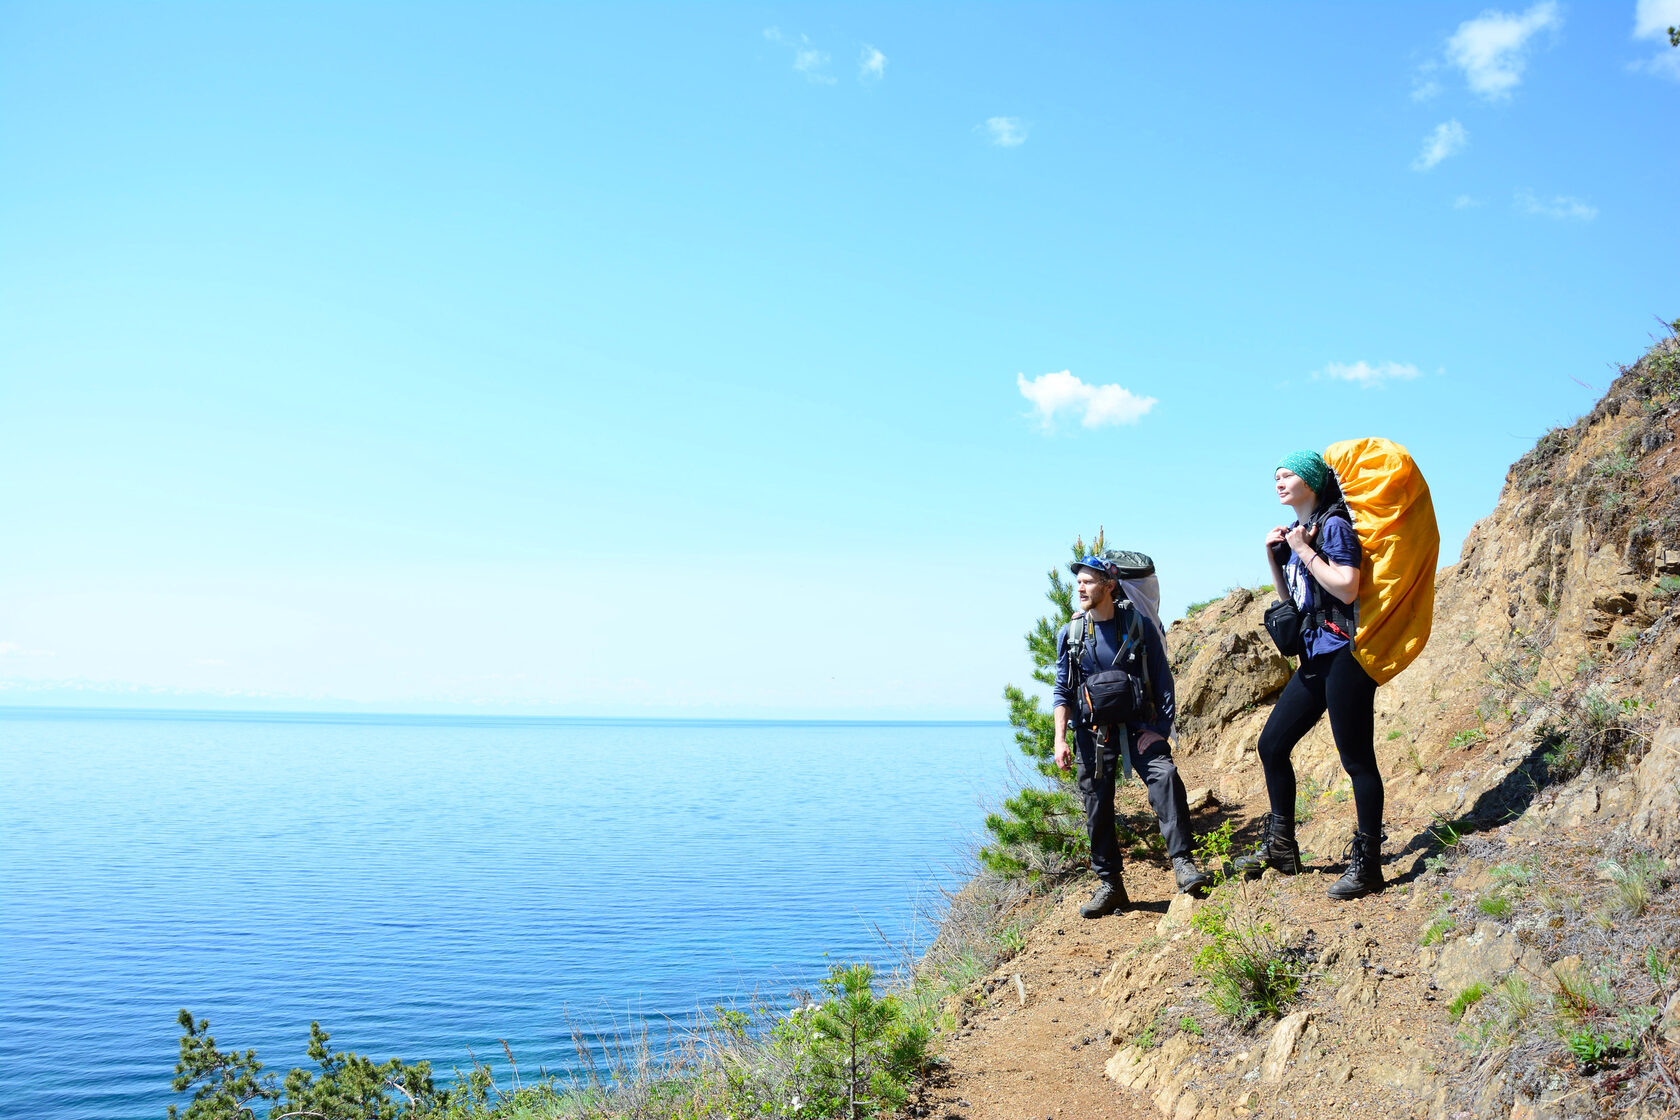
[[1308, 466]]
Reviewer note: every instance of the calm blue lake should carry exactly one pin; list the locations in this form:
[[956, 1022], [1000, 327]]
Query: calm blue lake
[[422, 885]]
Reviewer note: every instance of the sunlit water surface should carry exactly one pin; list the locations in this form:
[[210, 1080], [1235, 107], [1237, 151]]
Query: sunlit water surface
[[422, 885]]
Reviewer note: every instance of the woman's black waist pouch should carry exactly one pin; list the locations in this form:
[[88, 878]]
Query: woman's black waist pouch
[[1283, 623]]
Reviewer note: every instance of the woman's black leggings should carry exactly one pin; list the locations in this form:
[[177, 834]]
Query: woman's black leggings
[[1337, 682]]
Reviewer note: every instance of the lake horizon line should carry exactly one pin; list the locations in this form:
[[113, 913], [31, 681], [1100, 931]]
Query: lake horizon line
[[460, 719]]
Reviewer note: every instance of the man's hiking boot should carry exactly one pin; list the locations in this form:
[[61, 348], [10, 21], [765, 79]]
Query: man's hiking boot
[[1109, 898], [1364, 873], [1190, 877], [1277, 848]]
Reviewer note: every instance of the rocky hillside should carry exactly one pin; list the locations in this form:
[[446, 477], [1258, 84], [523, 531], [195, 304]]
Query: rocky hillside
[[1525, 961]]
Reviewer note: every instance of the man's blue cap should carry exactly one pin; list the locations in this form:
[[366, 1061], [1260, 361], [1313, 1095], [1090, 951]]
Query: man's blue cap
[[1096, 563]]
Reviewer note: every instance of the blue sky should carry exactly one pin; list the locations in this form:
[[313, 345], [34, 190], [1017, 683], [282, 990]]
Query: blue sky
[[692, 360]]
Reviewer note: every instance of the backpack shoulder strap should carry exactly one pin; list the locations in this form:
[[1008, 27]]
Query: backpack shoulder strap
[[1135, 638]]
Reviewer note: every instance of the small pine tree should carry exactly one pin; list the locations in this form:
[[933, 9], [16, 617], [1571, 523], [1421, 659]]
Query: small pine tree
[[868, 1048], [1041, 831]]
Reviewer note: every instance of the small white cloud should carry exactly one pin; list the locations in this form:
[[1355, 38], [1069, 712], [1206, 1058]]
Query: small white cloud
[[1492, 49], [1366, 375], [1424, 84], [1006, 132], [872, 65], [1449, 138], [1465, 202], [1559, 207], [1096, 405], [807, 59], [1651, 20], [1664, 65]]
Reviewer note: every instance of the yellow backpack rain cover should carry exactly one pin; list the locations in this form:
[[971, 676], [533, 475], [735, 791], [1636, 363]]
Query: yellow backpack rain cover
[[1395, 519]]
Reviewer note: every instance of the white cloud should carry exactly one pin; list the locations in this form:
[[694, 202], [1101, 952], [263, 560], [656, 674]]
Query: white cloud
[[1465, 202], [1424, 85], [1492, 48], [1054, 393], [1006, 132], [872, 65], [1651, 20], [1560, 207], [1449, 138], [1366, 375], [1664, 65], [807, 59]]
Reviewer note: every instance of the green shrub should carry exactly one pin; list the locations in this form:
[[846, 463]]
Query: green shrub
[[865, 1052], [1591, 1047], [1249, 973]]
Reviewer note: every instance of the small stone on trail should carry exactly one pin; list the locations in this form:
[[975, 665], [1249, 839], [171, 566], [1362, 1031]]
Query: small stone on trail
[[1358, 925]]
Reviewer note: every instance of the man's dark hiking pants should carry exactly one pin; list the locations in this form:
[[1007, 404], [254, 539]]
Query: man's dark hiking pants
[[1166, 796]]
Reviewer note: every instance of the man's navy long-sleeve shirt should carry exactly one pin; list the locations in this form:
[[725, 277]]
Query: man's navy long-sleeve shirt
[[1102, 648]]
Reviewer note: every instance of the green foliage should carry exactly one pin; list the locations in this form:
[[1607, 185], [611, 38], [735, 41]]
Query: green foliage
[[1438, 928], [1494, 906], [1633, 882], [865, 1050], [1152, 1035], [1448, 834], [1012, 938], [1669, 585], [1465, 738], [1617, 468], [1659, 966], [1591, 1047], [1307, 793], [1041, 831], [853, 1056], [1189, 1026], [351, 1087], [1395, 734], [1196, 608], [1466, 999], [1249, 973], [224, 1085]]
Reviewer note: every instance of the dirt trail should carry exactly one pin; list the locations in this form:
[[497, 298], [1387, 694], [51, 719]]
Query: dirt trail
[[1011, 1061]]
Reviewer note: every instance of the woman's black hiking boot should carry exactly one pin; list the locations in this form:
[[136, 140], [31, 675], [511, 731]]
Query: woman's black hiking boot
[[1364, 873], [1109, 898], [1277, 848]]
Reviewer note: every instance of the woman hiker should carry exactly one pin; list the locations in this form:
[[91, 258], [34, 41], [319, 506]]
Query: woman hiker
[[1315, 564]]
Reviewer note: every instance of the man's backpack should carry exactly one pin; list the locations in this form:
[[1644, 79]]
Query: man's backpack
[[1395, 518], [1136, 573]]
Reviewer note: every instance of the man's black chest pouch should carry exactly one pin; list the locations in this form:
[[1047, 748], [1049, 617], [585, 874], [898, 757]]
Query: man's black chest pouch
[[1114, 695]]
